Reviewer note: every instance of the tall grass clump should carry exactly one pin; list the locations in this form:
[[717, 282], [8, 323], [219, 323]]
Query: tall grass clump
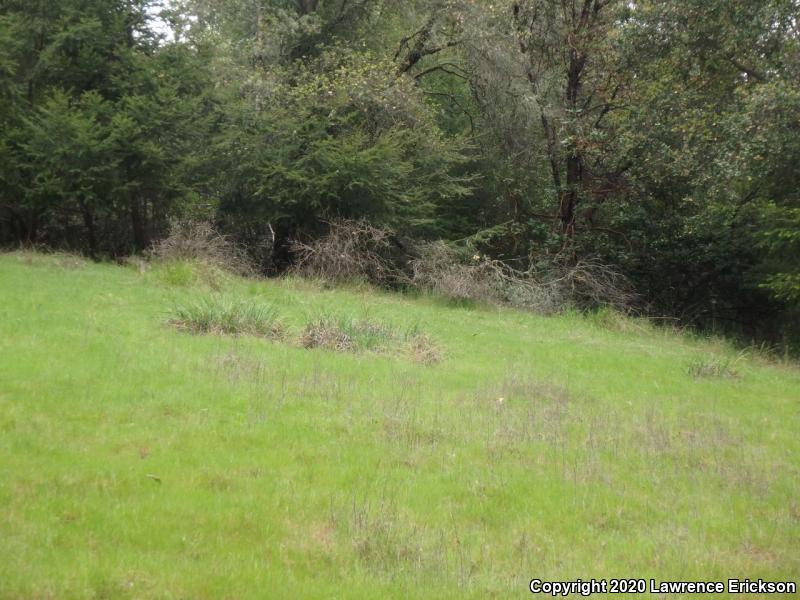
[[347, 334], [216, 315], [723, 367]]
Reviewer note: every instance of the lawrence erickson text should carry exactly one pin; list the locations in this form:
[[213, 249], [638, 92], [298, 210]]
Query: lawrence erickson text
[[581, 587]]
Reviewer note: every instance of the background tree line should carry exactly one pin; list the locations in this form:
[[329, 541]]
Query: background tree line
[[659, 137]]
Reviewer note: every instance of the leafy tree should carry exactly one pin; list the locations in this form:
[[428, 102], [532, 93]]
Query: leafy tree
[[320, 126], [710, 137], [99, 124]]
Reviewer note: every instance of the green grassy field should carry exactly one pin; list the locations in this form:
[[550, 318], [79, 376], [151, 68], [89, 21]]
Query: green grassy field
[[142, 461]]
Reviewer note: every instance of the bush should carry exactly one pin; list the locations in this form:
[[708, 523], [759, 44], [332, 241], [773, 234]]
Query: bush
[[444, 270], [357, 251], [585, 284], [199, 241], [230, 317], [350, 251], [546, 288]]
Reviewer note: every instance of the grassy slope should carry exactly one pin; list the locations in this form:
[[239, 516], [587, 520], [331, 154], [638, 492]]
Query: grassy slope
[[291, 472]]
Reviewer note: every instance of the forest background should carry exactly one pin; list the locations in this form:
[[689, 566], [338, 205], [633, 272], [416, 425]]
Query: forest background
[[659, 139]]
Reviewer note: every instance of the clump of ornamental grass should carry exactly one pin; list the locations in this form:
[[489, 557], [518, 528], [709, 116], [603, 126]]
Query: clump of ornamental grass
[[34, 255], [346, 334], [723, 367], [614, 320], [421, 348], [221, 316]]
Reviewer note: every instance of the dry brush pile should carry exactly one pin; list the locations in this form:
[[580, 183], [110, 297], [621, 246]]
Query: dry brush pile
[[350, 251], [356, 251]]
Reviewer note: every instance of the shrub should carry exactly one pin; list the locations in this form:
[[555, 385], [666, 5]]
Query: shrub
[[444, 270], [230, 317], [357, 251], [199, 241], [546, 288], [586, 283], [350, 251]]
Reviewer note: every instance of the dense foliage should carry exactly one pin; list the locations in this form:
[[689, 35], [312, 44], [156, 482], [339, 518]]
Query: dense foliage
[[660, 137]]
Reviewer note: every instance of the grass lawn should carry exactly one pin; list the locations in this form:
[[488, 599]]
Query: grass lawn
[[142, 461]]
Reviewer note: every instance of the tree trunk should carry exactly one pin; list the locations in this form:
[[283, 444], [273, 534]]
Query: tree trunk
[[574, 162], [88, 222], [137, 226], [552, 154], [307, 6], [31, 227], [569, 198]]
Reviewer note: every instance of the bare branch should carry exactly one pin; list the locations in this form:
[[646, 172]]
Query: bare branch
[[443, 67], [455, 101], [749, 71]]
